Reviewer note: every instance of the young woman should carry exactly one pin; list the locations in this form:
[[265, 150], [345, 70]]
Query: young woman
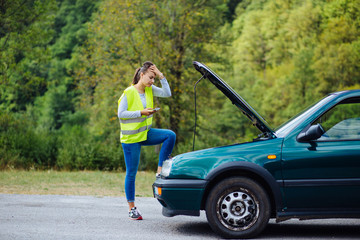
[[135, 112]]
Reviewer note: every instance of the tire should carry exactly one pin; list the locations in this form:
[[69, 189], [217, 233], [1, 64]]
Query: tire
[[238, 207]]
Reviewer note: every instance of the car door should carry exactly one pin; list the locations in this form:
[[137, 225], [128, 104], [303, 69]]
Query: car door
[[325, 173]]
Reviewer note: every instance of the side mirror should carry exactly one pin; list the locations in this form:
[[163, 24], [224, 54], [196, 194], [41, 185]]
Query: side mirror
[[312, 133]]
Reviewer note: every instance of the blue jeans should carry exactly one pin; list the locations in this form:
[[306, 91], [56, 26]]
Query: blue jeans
[[132, 155]]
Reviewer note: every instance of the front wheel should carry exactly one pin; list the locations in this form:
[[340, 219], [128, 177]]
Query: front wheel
[[238, 207]]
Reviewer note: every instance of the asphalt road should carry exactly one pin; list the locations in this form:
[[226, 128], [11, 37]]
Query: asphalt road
[[87, 217]]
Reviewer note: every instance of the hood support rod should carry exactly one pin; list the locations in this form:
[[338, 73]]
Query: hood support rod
[[203, 76]]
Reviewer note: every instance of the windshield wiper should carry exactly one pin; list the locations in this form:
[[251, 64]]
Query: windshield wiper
[[263, 136]]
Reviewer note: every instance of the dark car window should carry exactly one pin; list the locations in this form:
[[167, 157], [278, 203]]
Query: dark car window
[[342, 122]]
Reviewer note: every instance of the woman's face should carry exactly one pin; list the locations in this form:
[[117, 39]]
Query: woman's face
[[147, 78]]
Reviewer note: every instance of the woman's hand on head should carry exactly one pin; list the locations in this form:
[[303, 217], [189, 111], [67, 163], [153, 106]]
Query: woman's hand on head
[[156, 71], [147, 111]]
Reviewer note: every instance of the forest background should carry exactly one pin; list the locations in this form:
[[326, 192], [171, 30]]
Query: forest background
[[64, 65]]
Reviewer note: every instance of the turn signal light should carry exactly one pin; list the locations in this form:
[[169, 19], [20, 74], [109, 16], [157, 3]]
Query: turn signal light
[[271, 156], [157, 191]]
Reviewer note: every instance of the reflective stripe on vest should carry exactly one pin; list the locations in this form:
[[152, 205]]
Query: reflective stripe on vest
[[132, 120], [135, 129], [129, 132]]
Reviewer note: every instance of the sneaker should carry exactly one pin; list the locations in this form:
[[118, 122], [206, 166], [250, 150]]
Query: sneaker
[[157, 175], [134, 214]]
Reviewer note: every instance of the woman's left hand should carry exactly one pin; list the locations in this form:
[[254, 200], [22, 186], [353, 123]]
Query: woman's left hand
[[156, 72]]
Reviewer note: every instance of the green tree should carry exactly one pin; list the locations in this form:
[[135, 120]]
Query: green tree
[[288, 54], [59, 102], [25, 32], [337, 55], [126, 33]]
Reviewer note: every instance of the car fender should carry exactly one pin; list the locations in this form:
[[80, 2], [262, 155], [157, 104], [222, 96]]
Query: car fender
[[251, 170]]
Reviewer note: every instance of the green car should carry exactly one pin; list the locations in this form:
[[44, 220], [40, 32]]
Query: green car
[[307, 168]]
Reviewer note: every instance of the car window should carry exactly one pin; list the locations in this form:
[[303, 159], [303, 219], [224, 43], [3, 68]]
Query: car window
[[288, 126], [342, 122]]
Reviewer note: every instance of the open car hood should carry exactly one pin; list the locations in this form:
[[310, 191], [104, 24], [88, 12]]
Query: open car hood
[[236, 99]]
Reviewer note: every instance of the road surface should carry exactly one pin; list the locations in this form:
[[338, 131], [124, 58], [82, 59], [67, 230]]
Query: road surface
[[87, 217]]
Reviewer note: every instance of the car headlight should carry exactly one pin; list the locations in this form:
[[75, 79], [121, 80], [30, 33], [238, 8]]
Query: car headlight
[[166, 168]]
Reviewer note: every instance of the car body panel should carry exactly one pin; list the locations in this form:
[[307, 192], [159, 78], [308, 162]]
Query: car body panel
[[184, 194], [198, 164], [241, 168], [328, 167]]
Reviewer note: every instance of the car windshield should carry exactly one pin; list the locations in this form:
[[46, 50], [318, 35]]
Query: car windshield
[[289, 125]]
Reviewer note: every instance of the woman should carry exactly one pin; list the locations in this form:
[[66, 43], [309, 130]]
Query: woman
[[135, 112]]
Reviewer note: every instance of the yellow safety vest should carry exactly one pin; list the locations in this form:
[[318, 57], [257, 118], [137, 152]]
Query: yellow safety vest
[[135, 130]]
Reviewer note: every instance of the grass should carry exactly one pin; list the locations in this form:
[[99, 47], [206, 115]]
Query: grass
[[94, 183]]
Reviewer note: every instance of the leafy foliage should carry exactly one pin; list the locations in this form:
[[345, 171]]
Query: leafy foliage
[[25, 32], [64, 64]]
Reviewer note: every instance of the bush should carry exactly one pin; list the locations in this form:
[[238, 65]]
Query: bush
[[79, 150], [22, 147]]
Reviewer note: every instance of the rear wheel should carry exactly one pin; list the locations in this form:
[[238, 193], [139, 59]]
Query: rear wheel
[[238, 207]]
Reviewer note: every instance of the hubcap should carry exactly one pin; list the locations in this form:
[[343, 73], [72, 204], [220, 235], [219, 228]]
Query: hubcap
[[238, 210]]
